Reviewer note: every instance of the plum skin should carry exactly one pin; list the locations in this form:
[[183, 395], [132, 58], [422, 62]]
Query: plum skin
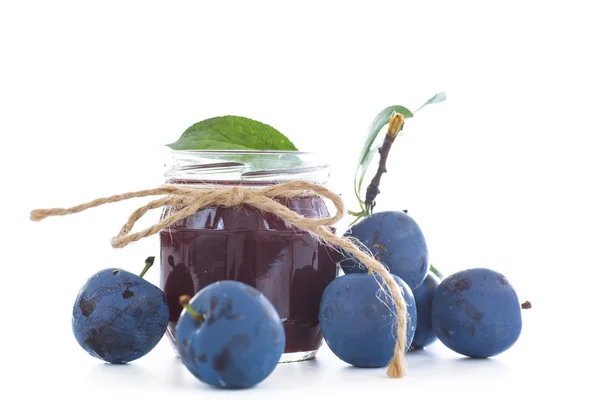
[[357, 325], [240, 341], [119, 317], [398, 242], [476, 313], [424, 335]]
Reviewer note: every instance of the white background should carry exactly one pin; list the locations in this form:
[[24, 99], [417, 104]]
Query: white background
[[503, 175]]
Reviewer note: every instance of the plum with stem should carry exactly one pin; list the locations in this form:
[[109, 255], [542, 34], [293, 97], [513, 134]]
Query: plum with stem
[[118, 316]]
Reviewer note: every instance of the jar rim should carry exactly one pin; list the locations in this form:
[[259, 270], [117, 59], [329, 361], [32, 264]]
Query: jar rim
[[249, 152], [247, 166]]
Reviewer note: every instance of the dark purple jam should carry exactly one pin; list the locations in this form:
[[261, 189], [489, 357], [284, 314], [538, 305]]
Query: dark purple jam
[[289, 266]]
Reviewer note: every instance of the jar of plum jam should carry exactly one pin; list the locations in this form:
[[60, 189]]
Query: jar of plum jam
[[290, 266]]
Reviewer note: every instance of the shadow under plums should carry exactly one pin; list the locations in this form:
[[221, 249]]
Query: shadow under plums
[[299, 371], [424, 362], [129, 374], [478, 362], [476, 367], [421, 358], [361, 373], [285, 375]]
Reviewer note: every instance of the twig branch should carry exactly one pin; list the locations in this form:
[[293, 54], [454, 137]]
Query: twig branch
[[395, 126]]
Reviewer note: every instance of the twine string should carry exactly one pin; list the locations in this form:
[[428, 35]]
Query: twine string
[[186, 201]]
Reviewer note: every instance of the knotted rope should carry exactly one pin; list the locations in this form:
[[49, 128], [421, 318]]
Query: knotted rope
[[188, 200]]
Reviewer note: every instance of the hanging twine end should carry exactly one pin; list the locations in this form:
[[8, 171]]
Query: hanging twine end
[[397, 368], [117, 242], [37, 215]]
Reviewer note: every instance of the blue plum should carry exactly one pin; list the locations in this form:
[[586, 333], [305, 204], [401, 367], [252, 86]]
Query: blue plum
[[424, 335], [230, 335], [476, 312], [359, 321], [118, 316], [397, 241]]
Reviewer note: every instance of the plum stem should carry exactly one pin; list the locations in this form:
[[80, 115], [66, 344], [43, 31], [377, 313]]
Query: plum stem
[[149, 263], [526, 305], [185, 303], [395, 126]]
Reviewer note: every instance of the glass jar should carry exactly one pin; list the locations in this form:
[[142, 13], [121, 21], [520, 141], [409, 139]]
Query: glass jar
[[290, 266]]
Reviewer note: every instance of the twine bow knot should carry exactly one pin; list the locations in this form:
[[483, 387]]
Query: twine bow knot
[[187, 200]]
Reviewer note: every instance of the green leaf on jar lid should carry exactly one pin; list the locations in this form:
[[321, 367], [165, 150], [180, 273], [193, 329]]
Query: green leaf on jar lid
[[232, 133]]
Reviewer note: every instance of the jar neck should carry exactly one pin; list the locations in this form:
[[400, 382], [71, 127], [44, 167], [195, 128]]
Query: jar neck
[[248, 168]]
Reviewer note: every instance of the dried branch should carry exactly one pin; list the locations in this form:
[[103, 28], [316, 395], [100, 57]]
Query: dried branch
[[395, 126]]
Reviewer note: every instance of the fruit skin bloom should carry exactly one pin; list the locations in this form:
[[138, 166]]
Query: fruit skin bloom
[[476, 312], [397, 241], [234, 340], [119, 317], [359, 321]]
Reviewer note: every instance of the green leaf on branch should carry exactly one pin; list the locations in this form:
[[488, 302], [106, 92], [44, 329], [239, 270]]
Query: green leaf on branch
[[438, 98], [436, 272], [370, 146], [368, 151], [356, 213], [232, 133], [381, 120], [357, 216], [361, 171]]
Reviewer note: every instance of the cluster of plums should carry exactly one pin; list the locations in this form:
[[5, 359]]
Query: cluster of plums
[[475, 312], [230, 335]]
